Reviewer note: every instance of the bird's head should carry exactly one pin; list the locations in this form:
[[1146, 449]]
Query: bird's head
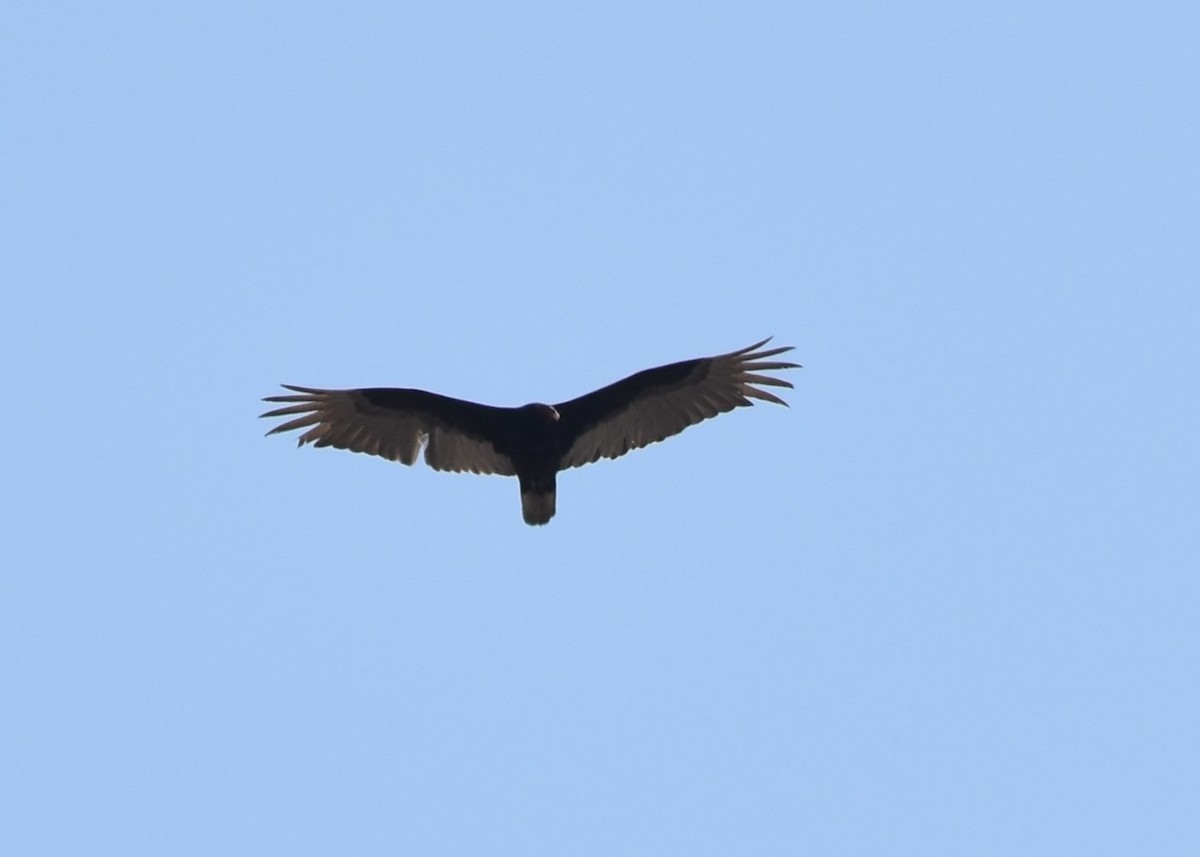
[[543, 412]]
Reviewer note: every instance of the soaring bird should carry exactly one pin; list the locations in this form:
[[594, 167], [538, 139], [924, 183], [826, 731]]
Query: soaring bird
[[533, 442]]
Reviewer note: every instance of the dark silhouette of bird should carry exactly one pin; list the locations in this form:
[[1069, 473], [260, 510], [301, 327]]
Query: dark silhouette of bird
[[536, 441]]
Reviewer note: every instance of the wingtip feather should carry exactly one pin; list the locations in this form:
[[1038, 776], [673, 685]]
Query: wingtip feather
[[755, 393], [768, 380]]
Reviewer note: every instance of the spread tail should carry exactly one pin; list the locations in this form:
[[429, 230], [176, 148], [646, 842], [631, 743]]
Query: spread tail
[[537, 501]]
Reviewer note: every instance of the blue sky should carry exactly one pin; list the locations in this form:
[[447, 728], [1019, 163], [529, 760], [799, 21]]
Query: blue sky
[[944, 604]]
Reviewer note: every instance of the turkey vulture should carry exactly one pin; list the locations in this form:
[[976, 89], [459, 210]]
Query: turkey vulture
[[535, 441]]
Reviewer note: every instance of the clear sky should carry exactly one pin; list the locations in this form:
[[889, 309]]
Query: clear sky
[[946, 603]]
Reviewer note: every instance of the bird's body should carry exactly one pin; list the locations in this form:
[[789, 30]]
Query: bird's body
[[536, 441]]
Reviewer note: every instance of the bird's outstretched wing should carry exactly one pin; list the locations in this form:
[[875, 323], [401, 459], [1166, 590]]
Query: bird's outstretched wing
[[393, 423], [657, 403]]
